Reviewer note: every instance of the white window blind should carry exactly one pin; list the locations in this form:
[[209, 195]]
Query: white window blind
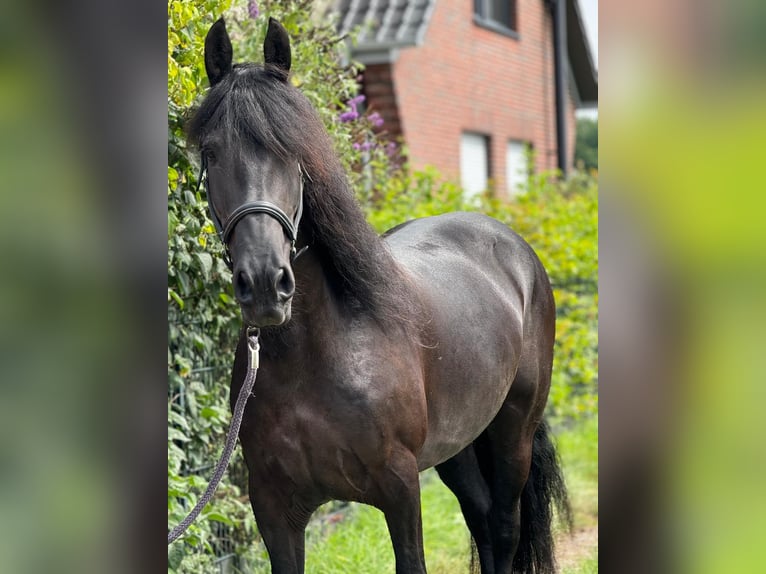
[[474, 163], [515, 167]]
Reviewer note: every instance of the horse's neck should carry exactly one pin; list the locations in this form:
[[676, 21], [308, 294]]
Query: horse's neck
[[313, 300], [315, 310]]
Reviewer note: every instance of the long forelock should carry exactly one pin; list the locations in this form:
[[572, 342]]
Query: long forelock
[[256, 104]]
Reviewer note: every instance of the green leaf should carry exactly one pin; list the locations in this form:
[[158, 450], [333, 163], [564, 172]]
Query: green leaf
[[172, 176], [206, 264], [218, 517], [175, 434], [173, 295]]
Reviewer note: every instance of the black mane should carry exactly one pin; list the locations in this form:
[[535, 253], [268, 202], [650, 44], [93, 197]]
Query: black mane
[[256, 103]]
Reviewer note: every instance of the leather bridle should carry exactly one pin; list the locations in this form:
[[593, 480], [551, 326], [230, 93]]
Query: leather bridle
[[290, 225]]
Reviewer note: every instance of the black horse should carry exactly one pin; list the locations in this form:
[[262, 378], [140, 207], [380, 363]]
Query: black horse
[[380, 357]]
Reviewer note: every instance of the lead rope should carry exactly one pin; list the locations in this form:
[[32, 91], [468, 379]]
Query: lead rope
[[231, 438]]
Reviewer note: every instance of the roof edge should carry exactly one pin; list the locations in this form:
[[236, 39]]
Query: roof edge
[[583, 69]]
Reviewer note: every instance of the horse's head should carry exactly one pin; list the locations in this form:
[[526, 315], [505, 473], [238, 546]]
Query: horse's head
[[254, 184]]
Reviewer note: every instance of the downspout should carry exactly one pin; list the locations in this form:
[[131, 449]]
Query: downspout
[[559, 14]]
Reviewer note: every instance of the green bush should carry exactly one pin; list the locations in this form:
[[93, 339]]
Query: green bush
[[201, 317], [586, 143]]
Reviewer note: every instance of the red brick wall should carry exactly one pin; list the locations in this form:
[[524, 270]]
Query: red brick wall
[[468, 78], [378, 86]]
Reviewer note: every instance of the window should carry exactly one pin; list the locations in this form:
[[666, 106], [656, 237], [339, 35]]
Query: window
[[499, 15], [516, 167], [474, 163]]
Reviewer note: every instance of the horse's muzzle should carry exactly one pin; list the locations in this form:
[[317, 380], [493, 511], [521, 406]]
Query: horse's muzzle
[[264, 295], [266, 316]]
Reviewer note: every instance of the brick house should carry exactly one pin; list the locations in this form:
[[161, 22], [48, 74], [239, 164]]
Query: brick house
[[468, 85]]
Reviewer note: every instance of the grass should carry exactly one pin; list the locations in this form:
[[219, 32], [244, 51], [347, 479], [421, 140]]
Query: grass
[[587, 566], [360, 543], [355, 539], [578, 449]]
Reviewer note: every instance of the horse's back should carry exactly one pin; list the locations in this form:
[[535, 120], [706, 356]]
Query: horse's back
[[446, 251], [481, 285], [475, 238]]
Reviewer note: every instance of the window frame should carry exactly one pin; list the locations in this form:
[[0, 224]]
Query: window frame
[[481, 10]]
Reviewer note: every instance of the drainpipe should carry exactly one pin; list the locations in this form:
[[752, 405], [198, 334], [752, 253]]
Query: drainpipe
[[559, 13]]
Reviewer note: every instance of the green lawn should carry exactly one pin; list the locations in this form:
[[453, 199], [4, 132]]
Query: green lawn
[[357, 540], [587, 566], [578, 449]]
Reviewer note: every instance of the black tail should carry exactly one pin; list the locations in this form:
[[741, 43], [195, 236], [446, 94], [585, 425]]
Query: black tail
[[545, 488]]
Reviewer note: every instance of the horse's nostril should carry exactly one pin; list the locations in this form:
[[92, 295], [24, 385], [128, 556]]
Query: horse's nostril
[[284, 283], [243, 290]]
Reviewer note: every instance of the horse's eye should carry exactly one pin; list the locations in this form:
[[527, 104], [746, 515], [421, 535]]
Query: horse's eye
[[209, 156]]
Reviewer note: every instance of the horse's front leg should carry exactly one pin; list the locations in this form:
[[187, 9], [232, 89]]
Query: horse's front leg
[[282, 521], [397, 494]]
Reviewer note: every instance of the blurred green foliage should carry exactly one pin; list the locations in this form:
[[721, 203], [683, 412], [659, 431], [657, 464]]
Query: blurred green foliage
[[586, 143], [558, 219]]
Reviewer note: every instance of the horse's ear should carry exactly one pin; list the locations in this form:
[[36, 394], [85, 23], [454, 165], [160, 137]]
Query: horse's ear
[[218, 52], [276, 46]]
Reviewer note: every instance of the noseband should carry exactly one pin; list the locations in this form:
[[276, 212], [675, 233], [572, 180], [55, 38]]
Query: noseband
[[290, 225]]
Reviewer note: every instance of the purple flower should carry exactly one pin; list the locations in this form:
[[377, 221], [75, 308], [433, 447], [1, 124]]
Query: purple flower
[[376, 120], [348, 116], [364, 146], [353, 113], [252, 9], [391, 148]]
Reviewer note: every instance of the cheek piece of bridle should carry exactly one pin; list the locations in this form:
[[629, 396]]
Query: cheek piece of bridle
[[290, 225]]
